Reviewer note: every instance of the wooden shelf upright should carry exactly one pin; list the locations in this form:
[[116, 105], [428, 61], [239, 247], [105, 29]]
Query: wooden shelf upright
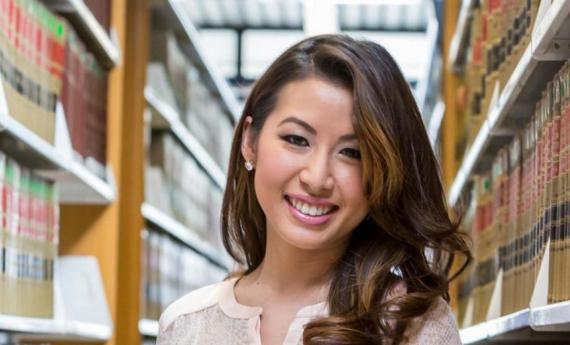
[[112, 233]]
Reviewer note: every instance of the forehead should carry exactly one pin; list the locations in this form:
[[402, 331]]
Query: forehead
[[317, 102]]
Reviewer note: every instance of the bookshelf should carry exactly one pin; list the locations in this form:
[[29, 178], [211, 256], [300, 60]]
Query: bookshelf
[[513, 106], [88, 189], [45, 329], [174, 14], [77, 184], [511, 109], [185, 235], [100, 43], [167, 117]]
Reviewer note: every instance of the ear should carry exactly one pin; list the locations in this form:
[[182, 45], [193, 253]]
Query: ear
[[248, 141]]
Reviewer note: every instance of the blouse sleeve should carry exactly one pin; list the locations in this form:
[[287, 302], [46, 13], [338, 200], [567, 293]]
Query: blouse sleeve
[[163, 337], [436, 327]]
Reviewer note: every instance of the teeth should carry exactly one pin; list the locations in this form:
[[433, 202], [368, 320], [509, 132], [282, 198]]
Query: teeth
[[310, 210], [313, 211]]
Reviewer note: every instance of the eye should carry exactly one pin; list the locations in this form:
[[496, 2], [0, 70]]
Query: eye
[[351, 153], [295, 140]]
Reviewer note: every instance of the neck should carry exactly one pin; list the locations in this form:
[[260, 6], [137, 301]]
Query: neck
[[288, 270]]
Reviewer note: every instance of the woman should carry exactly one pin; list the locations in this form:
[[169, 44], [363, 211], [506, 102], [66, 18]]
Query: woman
[[334, 209]]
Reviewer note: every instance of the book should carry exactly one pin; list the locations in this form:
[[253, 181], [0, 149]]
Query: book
[[525, 208], [171, 270], [499, 33], [29, 241]]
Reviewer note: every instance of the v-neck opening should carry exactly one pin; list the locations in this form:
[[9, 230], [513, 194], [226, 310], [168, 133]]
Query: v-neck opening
[[234, 309]]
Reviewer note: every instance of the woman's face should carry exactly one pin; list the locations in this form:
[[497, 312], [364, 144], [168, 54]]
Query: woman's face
[[308, 173]]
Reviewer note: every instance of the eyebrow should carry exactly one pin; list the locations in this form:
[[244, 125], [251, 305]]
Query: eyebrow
[[296, 120]]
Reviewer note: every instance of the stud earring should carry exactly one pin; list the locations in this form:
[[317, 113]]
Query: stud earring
[[249, 165]]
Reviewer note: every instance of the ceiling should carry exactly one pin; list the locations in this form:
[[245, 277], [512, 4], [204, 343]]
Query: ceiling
[[288, 14]]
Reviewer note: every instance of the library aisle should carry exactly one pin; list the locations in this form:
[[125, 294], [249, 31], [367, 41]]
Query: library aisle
[[117, 117]]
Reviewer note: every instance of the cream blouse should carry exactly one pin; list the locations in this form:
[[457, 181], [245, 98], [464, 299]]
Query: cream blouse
[[212, 315]]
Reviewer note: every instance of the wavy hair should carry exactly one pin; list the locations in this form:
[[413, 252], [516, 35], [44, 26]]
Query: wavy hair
[[408, 234]]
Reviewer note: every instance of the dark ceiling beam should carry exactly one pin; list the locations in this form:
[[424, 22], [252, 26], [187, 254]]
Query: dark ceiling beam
[[239, 52], [300, 28]]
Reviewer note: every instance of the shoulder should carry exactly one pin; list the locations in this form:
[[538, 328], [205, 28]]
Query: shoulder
[[436, 326], [192, 302]]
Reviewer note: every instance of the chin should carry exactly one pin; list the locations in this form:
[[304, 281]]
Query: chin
[[307, 239]]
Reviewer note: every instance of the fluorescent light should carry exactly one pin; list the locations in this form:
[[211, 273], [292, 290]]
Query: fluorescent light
[[374, 2]]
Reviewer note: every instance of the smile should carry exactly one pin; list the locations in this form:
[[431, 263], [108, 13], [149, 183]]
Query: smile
[[310, 210], [309, 213]]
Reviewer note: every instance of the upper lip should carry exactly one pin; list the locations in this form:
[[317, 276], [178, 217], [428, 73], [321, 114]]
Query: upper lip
[[311, 200]]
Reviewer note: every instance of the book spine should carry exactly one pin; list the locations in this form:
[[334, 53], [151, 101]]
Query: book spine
[[565, 176], [3, 229]]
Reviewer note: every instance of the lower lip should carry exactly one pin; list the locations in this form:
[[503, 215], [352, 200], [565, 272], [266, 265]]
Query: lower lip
[[309, 220]]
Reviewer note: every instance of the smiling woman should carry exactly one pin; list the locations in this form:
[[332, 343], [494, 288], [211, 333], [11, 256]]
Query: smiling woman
[[332, 202]]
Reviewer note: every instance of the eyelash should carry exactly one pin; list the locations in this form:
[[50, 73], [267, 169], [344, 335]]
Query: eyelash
[[297, 140]]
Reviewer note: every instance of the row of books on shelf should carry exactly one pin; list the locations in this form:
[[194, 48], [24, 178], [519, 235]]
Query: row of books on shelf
[[44, 63], [171, 270], [519, 208], [175, 184], [181, 84], [500, 32], [28, 239]]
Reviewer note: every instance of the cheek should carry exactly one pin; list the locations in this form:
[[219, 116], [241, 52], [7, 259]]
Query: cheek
[[349, 179], [275, 167]]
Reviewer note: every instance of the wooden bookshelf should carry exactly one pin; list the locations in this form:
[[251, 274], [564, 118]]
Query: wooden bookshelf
[[111, 233], [512, 110]]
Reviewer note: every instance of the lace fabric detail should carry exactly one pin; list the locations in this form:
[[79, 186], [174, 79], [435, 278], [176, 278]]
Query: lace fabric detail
[[436, 327], [207, 326]]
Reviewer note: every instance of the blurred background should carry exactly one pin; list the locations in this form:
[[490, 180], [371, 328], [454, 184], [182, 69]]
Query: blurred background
[[116, 120]]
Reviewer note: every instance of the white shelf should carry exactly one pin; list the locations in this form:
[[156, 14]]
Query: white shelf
[[551, 35], [170, 117], [551, 318], [54, 329], [148, 328], [76, 183], [176, 17], [543, 323], [87, 26], [458, 46], [508, 326], [508, 323], [474, 334], [435, 122], [516, 100], [183, 234]]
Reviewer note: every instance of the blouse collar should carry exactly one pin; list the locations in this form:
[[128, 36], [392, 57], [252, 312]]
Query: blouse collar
[[232, 308]]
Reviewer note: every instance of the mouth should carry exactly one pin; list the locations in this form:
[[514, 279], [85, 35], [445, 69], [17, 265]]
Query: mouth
[[310, 213], [309, 209]]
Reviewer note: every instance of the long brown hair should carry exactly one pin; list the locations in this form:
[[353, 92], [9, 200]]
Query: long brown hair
[[408, 234]]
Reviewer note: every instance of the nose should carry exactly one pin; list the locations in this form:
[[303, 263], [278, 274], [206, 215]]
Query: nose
[[316, 177]]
